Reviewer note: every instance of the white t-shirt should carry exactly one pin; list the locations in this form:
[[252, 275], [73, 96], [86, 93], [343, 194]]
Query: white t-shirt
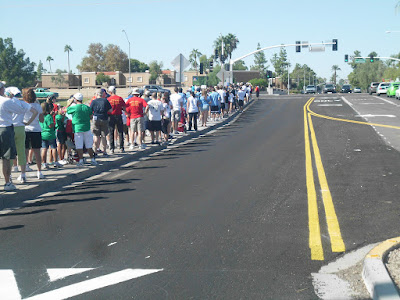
[[192, 103], [177, 101], [34, 126], [241, 95], [18, 118], [167, 109], [155, 108], [8, 107], [222, 94]]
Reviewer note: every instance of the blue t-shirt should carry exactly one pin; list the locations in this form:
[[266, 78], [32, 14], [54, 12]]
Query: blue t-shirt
[[215, 98], [100, 108], [183, 98], [205, 102]]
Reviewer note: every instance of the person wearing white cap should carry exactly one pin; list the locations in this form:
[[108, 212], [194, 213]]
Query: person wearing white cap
[[19, 128], [241, 97], [134, 110], [8, 151], [81, 116], [118, 108]]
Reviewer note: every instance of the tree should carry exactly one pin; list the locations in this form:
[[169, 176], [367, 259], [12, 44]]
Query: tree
[[230, 42], [194, 55], [260, 61], [335, 69], [239, 65], [49, 59], [138, 66], [59, 79], [155, 69], [68, 49], [281, 64], [102, 59], [40, 70], [302, 75], [15, 69], [102, 78]]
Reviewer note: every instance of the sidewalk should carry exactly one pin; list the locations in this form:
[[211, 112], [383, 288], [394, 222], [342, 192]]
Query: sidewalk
[[57, 178]]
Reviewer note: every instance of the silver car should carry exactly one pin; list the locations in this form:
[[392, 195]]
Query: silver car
[[382, 88]]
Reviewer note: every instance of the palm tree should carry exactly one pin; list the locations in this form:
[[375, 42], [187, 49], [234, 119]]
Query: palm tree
[[68, 49], [335, 68], [49, 59], [231, 42], [194, 55]]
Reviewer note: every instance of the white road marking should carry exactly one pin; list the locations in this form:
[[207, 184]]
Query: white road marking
[[56, 274], [373, 116], [111, 244], [93, 284], [330, 104], [8, 285], [119, 174], [388, 101], [371, 103]]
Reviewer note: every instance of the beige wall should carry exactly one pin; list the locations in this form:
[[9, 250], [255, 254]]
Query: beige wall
[[70, 80]]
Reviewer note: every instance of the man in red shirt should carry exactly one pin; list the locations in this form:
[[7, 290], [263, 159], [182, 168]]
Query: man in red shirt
[[134, 111], [118, 106]]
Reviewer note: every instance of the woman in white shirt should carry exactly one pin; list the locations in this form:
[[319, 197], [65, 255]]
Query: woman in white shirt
[[193, 110]]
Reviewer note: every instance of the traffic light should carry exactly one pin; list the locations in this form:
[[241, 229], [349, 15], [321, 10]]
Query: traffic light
[[201, 68], [216, 54], [211, 65], [298, 48], [335, 45], [227, 67], [268, 74], [371, 58], [346, 58]]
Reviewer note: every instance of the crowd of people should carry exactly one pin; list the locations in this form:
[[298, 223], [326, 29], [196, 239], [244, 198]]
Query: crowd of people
[[49, 135]]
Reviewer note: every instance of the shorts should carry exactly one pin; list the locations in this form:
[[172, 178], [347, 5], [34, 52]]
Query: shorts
[[61, 137], [164, 126], [100, 127], [241, 103], [137, 124], [205, 108], [7, 143], [49, 143], [176, 115], [222, 105], [154, 125], [214, 109], [83, 139], [33, 140]]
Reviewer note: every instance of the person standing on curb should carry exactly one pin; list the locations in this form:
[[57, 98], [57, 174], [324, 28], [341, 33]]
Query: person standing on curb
[[19, 128], [166, 117], [215, 103], [241, 97], [7, 143], [48, 136], [101, 108], [193, 110], [177, 105], [33, 131], [81, 116], [118, 108], [134, 111], [257, 89], [205, 106], [154, 110]]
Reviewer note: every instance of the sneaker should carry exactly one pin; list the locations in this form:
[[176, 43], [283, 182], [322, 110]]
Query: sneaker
[[57, 165], [8, 187], [112, 151], [142, 146], [135, 144], [39, 175], [105, 154], [80, 164], [131, 147], [15, 169], [22, 178], [28, 169], [63, 162], [93, 162], [45, 166], [122, 150]]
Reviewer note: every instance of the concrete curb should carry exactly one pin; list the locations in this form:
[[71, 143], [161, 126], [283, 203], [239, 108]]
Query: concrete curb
[[375, 275], [15, 200]]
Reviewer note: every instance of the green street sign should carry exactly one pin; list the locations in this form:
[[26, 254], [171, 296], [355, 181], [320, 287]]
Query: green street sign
[[359, 60]]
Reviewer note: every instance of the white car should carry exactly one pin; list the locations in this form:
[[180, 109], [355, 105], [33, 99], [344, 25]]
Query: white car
[[381, 89], [357, 90], [397, 94]]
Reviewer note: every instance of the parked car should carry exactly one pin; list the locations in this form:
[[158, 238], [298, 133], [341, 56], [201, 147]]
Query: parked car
[[346, 88], [382, 88], [44, 93], [329, 88], [357, 90], [310, 89], [391, 90], [372, 87], [397, 96], [154, 88]]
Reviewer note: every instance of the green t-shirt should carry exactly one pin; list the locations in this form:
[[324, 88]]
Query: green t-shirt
[[80, 117], [48, 133], [60, 126]]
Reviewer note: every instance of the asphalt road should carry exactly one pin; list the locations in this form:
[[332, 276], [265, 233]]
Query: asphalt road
[[225, 216]]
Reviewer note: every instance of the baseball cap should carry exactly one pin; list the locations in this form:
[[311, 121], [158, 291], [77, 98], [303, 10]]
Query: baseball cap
[[135, 91], [111, 89], [78, 97], [147, 93], [13, 90], [2, 84]]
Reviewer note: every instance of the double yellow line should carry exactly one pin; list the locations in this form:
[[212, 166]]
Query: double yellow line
[[315, 242]]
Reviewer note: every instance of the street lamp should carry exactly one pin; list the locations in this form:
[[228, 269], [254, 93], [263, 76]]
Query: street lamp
[[129, 62], [390, 31]]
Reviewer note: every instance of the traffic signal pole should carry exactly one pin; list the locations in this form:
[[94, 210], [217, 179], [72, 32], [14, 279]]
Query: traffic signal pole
[[380, 57]]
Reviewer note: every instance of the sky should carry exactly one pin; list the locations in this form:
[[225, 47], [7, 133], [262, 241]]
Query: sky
[[162, 29]]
